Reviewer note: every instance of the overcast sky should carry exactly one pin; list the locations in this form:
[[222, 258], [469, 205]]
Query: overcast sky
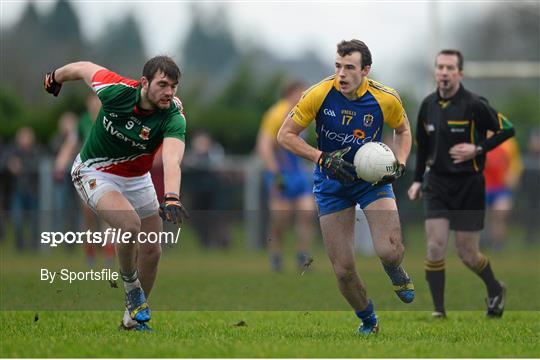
[[392, 29]]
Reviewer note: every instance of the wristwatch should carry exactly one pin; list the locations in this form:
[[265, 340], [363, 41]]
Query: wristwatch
[[479, 150]]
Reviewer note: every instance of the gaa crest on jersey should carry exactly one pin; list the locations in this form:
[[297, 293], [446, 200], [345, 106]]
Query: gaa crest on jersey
[[92, 184], [368, 120], [145, 132]]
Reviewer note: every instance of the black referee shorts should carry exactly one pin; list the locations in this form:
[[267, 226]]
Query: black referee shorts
[[458, 198]]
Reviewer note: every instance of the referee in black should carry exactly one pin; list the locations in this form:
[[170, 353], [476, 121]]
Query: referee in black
[[452, 138]]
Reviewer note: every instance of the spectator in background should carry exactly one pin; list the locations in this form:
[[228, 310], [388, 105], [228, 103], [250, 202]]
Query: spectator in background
[[529, 186], [205, 190], [64, 148], [502, 172], [22, 165], [287, 182]]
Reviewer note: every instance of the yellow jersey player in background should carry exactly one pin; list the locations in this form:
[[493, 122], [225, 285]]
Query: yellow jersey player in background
[[288, 185]]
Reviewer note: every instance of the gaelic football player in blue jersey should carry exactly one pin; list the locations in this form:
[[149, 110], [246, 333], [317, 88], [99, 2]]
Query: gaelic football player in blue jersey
[[111, 173], [349, 110]]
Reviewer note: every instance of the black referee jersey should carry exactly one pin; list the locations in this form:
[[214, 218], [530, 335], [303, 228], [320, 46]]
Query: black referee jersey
[[464, 118]]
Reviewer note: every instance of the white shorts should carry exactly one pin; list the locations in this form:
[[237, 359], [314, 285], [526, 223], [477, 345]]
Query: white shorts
[[92, 185]]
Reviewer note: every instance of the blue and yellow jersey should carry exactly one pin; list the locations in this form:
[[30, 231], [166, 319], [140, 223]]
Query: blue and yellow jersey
[[270, 125], [341, 122]]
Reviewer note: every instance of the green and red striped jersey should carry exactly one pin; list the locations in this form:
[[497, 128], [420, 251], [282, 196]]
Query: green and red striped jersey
[[125, 138]]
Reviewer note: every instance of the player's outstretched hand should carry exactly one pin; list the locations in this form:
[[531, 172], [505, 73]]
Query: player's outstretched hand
[[399, 170], [50, 84], [334, 164], [172, 210]]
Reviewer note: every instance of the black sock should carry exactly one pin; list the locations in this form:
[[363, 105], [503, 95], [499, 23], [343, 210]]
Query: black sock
[[483, 269], [435, 278]]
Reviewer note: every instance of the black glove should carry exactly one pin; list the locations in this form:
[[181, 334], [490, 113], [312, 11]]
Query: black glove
[[399, 170], [172, 210], [334, 164], [50, 85]]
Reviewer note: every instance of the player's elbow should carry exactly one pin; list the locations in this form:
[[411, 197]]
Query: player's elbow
[[404, 131], [282, 137]]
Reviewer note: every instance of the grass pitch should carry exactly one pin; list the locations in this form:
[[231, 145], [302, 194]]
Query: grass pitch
[[201, 297], [270, 334]]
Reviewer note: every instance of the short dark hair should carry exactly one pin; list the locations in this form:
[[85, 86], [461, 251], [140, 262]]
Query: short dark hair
[[291, 86], [345, 48], [453, 52], [161, 63]]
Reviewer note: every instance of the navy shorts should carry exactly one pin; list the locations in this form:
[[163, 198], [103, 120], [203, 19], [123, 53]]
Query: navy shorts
[[332, 196]]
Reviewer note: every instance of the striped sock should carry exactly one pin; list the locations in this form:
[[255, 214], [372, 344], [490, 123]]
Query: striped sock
[[131, 280], [129, 277], [435, 277], [483, 270]]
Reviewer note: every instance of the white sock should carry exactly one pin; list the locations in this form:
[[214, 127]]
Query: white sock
[[128, 286], [127, 320]]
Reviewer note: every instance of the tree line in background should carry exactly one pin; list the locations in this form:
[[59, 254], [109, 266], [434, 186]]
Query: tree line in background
[[225, 88], [510, 32]]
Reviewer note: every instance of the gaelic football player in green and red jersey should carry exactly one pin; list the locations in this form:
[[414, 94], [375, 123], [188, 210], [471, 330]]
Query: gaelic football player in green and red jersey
[[111, 173]]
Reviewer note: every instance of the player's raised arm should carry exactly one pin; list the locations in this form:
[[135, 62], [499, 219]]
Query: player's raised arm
[[81, 70]]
